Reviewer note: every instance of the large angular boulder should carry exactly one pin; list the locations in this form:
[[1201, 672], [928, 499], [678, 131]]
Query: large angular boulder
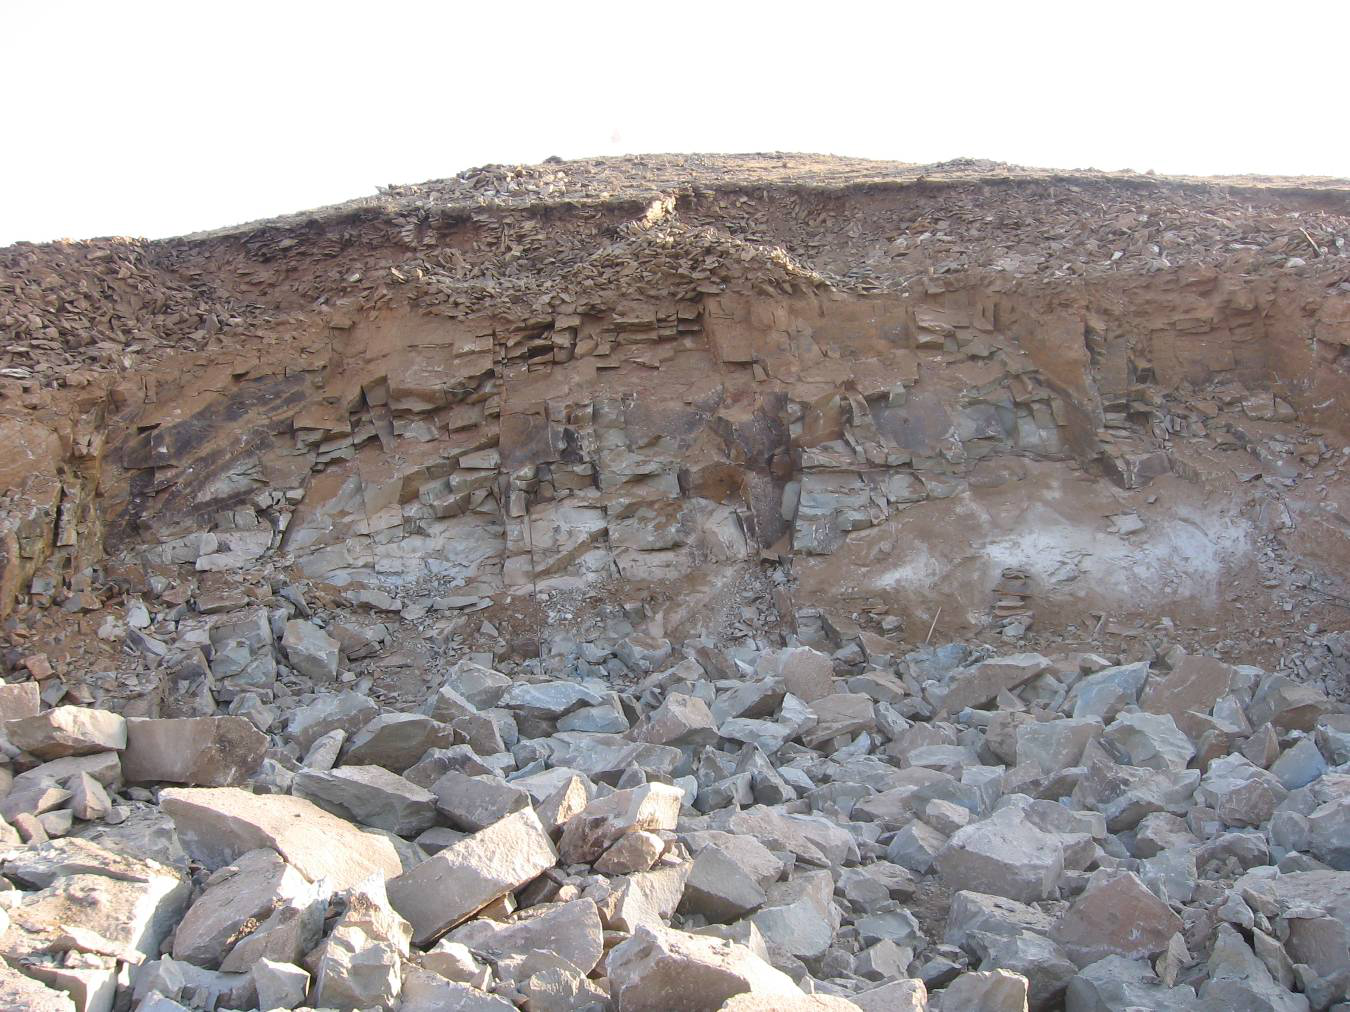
[[360, 964], [472, 803], [198, 751], [463, 878], [594, 829], [1194, 685], [89, 900], [982, 683], [310, 650], [395, 741], [1006, 855], [370, 795], [662, 970], [237, 898], [680, 720], [23, 992], [1116, 915], [807, 674], [720, 888], [987, 991], [344, 711], [570, 930], [1150, 740], [68, 731], [219, 825]]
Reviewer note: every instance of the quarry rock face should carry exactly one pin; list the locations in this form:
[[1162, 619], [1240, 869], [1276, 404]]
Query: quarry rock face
[[687, 582]]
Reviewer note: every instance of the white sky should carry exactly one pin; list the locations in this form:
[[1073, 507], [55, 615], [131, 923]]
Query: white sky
[[148, 118]]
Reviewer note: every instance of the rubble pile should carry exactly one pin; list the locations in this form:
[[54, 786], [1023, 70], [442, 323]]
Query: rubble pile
[[684, 582], [872, 828]]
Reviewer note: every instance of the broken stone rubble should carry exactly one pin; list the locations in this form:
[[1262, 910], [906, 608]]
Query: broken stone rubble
[[817, 879]]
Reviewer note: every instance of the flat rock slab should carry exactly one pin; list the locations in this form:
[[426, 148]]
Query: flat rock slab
[[198, 751], [68, 730], [219, 825], [370, 795], [982, 683], [237, 897], [463, 878], [662, 970], [570, 930]]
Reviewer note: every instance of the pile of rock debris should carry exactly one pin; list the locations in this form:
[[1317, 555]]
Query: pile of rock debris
[[773, 829]]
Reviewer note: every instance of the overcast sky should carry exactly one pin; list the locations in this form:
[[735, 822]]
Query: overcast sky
[[157, 119]]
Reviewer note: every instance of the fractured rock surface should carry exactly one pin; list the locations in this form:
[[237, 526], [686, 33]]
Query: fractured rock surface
[[688, 582]]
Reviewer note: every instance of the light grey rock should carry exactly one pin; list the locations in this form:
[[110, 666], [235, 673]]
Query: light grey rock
[[237, 897], [290, 932], [548, 700], [720, 888], [463, 878], [310, 650], [1329, 833], [323, 754], [1006, 855], [68, 731], [345, 711], [1117, 984], [1054, 745], [1239, 979], [89, 899], [1241, 793], [279, 985], [661, 969], [1037, 958], [756, 699], [88, 800], [570, 930], [25, 993], [635, 851], [800, 916], [1299, 765], [174, 979], [894, 996], [596, 828], [986, 991], [1107, 692], [360, 963], [981, 684], [429, 992], [916, 847], [370, 795], [481, 686], [1151, 740], [219, 825], [681, 720]]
